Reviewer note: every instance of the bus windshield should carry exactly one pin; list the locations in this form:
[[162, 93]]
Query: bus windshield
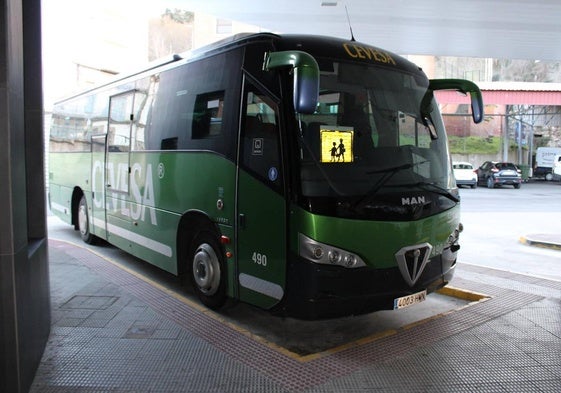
[[375, 131]]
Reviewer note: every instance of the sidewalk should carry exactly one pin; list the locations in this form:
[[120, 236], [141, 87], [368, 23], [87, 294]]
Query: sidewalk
[[114, 332]]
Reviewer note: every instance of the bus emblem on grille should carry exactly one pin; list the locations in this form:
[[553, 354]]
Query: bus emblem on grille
[[412, 261]]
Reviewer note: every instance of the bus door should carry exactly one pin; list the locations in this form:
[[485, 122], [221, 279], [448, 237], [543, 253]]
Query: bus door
[[118, 169], [98, 186], [261, 229]]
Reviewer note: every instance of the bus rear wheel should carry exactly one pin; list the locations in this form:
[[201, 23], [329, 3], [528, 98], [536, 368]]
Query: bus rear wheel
[[84, 222], [207, 270]]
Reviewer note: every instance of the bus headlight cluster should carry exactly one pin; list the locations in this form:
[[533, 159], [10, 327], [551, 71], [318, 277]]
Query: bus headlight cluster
[[328, 255], [454, 237]]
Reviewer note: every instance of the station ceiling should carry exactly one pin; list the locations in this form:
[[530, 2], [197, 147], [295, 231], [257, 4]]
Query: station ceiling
[[511, 29]]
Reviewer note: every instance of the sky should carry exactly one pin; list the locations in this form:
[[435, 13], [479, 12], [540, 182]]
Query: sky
[[82, 36], [104, 34]]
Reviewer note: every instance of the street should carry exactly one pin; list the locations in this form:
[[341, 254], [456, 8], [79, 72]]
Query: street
[[495, 219]]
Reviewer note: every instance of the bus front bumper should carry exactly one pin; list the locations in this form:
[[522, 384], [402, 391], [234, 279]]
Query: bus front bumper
[[317, 291]]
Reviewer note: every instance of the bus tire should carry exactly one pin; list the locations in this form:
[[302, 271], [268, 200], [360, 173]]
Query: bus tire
[[84, 222], [207, 270]]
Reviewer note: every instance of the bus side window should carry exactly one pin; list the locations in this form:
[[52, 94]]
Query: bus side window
[[261, 147], [118, 134], [207, 116]]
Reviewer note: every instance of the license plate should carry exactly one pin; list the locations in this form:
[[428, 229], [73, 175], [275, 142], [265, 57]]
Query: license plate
[[508, 173], [409, 300]]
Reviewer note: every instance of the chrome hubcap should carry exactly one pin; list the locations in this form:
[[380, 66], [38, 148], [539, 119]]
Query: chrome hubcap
[[206, 269], [82, 219]]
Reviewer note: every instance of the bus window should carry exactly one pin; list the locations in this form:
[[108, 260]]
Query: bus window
[[412, 132], [207, 119], [142, 104], [121, 107], [261, 153]]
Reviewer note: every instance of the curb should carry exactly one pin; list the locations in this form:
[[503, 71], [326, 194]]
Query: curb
[[540, 241]]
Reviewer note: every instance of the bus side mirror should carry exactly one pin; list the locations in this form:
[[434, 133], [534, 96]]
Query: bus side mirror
[[463, 86], [306, 77]]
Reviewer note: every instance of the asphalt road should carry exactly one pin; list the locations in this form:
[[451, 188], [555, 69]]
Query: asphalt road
[[495, 220]]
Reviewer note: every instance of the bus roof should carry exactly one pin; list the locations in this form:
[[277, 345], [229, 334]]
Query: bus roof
[[350, 50]]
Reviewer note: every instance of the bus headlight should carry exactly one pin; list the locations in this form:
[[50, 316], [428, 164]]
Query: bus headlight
[[333, 257], [328, 255]]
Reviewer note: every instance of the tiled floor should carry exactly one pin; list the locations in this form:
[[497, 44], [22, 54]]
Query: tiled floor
[[115, 332]]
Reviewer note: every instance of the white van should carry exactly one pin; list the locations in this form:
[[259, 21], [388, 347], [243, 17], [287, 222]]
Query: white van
[[556, 169], [544, 161]]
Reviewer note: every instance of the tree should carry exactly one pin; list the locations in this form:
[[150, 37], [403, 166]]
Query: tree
[[508, 70], [179, 16], [171, 33]]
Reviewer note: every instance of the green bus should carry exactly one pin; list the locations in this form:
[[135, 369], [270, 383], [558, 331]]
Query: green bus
[[306, 175]]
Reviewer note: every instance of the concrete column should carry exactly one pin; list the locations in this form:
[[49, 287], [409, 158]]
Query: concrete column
[[24, 283]]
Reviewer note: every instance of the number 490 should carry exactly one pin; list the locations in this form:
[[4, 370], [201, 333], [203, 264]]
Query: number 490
[[260, 259]]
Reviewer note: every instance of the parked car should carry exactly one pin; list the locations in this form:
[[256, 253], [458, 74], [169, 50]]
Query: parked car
[[465, 174], [493, 174]]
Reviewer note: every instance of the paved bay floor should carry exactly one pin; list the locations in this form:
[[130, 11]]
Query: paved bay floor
[[113, 331]]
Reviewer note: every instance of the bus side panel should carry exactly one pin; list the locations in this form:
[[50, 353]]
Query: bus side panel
[[261, 243], [154, 221], [163, 187], [117, 208], [202, 183], [67, 171], [98, 225], [231, 260], [58, 204]]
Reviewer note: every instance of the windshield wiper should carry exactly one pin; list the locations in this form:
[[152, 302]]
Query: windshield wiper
[[387, 175]]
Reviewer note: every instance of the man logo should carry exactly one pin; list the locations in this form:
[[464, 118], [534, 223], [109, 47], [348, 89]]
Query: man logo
[[412, 261], [419, 200]]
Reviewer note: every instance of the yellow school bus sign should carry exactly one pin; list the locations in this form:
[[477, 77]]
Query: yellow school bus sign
[[336, 144]]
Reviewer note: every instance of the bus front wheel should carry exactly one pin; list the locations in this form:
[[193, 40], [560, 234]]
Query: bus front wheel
[[207, 270], [84, 222]]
